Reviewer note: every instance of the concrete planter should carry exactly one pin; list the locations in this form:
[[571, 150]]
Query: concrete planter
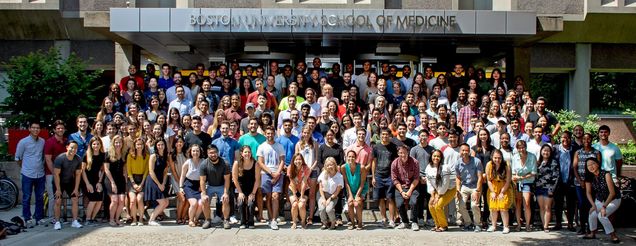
[[629, 170]]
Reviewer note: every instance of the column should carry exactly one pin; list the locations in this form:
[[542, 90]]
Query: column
[[579, 85], [125, 55], [64, 47], [521, 66]]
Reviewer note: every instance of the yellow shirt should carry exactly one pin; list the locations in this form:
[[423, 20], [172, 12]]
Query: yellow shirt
[[137, 166]]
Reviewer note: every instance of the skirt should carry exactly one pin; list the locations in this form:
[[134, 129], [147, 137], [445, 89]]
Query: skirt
[[501, 204], [120, 183], [95, 196], [138, 178], [191, 189], [152, 191]]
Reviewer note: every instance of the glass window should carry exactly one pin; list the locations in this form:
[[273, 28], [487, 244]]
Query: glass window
[[612, 93], [552, 86]]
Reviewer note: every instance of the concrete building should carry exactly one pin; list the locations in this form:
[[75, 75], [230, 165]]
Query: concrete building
[[563, 46]]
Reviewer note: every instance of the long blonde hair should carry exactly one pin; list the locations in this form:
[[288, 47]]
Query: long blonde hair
[[89, 152], [112, 153], [325, 173]]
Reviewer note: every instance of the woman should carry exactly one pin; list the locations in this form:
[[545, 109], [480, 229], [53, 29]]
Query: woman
[[186, 123], [115, 170], [298, 174], [245, 180], [163, 100], [347, 122], [331, 183], [193, 84], [308, 149], [127, 95], [332, 108], [175, 120], [494, 116], [527, 109], [175, 161], [93, 174], [375, 135], [498, 177], [156, 188], [355, 183], [398, 118], [140, 100], [497, 80], [505, 147], [604, 197], [189, 184], [441, 188], [419, 93], [137, 166], [114, 94], [524, 168], [483, 151], [98, 129], [548, 173], [452, 123], [245, 89], [214, 130], [579, 166], [106, 111], [371, 87], [153, 111], [445, 89]]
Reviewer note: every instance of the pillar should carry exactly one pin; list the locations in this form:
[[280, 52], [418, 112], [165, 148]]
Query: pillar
[[579, 85], [64, 47], [125, 55], [520, 65]]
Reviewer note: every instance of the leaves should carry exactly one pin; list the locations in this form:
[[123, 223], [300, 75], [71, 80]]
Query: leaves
[[43, 86], [569, 119]]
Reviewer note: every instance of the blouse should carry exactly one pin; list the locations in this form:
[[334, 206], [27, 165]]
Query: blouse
[[522, 170]]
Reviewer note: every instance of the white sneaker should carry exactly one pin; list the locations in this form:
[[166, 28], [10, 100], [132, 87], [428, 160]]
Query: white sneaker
[[233, 220], [273, 225], [477, 228], [216, 220], [76, 224], [491, 229], [506, 230], [153, 223], [391, 224], [415, 227], [57, 226], [401, 226]]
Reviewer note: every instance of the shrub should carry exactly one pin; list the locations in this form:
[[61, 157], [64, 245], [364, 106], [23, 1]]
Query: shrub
[[569, 119]]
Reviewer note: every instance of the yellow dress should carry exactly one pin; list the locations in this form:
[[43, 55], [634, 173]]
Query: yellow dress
[[498, 184]]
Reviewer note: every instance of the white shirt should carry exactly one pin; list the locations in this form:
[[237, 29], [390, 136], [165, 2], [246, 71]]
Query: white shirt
[[350, 137], [438, 143], [330, 184], [272, 154], [535, 148], [314, 108]]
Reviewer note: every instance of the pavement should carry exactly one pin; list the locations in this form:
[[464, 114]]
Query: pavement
[[172, 234]]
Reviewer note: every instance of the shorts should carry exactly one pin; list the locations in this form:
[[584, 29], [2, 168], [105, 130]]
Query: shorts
[[268, 187], [542, 192], [298, 194], [314, 174], [524, 188], [66, 187], [383, 188], [191, 189], [219, 191], [138, 178]]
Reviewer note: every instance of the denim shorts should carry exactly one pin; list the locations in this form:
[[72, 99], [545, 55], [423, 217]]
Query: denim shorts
[[267, 186], [383, 188], [525, 188], [541, 192], [211, 191]]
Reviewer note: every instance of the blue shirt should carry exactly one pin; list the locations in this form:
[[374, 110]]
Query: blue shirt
[[289, 144], [31, 152], [529, 167], [610, 153], [227, 147], [165, 83], [82, 144], [319, 138], [565, 162], [468, 173]]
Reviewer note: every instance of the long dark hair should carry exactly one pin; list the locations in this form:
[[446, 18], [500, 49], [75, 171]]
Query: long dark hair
[[241, 160], [541, 159], [501, 171], [479, 144], [164, 153], [174, 147], [293, 170], [438, 177]]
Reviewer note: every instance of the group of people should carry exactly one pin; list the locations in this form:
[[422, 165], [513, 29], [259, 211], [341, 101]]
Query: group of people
[[318, 143]]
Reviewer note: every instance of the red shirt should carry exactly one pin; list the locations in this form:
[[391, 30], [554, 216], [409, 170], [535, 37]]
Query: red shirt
[[54, 148], [271, 100], [404, 173], [124, 80]]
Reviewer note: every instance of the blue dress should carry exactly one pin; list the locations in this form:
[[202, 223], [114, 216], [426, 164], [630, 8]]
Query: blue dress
[[152, 191]]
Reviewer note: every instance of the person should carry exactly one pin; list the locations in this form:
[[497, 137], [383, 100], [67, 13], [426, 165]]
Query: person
[[214, 178], [53, 147], [252, 138], [29, 156], [271, 158], [612, 158], [82, 136], [469, 171], [467, 112], [189, 183], [579, 166], [198, 136], [441, 140], [67, 174], [156, 188], [172, 93], [552, 121], [604, 197], [350, 135], [405, 173], [383, 155], [92, 175], [548, 172], [246, 179], [565, 191], [422, 153], [298, 173], [356, 188], [441, 188], [132, 75], [180, 102], [362, 149], [331, 184], [115, 179], [308, 149], [226, 145], [137, 169], [500, 195], [524, 170], [176, 159]]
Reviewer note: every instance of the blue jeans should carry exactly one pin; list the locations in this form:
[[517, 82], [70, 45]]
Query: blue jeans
[[400, 203], [28, 186], [583, 207]]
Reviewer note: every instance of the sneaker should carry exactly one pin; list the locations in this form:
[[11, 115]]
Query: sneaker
[[88, 223], [415, 227], [391, 224], [466, 228], [491, 229], [273, 225], [430, 222], [42, 222], [76, 224], [383, 223], [233, 219], [29, 223], [242, 227], [251, 227], [153, 223], [133, 224], [506, 230], [477, 228], [216, 220], [57, 226], [421, 222], [207, 224], [401, 226], [226, 224]]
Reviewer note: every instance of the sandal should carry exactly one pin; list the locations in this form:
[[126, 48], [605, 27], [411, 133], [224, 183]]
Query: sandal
[[518, 229], [350, 226], [529, 228], [192, 224], [112, 223], [359, 227]]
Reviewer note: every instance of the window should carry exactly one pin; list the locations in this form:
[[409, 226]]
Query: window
[[612, 93], [552, 86]]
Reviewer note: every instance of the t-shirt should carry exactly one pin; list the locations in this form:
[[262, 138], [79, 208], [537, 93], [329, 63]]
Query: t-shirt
[[252, 141], [610, 153], [330, 184], [534, 117], [54, 148], [289, 144], [67, 167], [468, 172], [422, 155], [384, 156], [271, 154], [214, 173], [202, 139]]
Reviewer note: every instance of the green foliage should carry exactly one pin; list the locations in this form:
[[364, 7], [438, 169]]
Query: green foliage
[[631, 113], [43, 86], [569, 119], [629, 152], [612, 92], [550, 86]]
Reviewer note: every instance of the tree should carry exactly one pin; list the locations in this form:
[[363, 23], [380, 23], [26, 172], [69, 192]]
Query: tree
[[43, 86]]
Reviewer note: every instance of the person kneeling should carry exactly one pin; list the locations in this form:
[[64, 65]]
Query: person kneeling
[[215, 181], [331, 184], [405, 173]]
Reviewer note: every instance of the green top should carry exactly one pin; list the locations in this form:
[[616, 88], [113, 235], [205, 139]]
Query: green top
[[354, 180]]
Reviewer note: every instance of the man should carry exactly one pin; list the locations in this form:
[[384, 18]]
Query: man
[[405, 173], [469, 179], [288, 76], [132, 75], [363, 78], [316, 135], [611, 156], [234, 113], [215, 181], [271, 159], [297, 126], [301, 68], [199, 70], [495, 137], [287, 140], [350, 135], [28, 154], [293, 92], [422, 153], [472, 141], [401, 138], [272, 89], [429, 78], [406, 80], [251, 113], [457, 80], [410, 129], [317, 63], [451, 160], [553, 122], [53, 147], [252, 138], [260, 89], [111, 130], [383, 190], [441, 140], [261, 107], [286, 113], [82, 136], [67, 176], [226, 145], [198, 137], [210, 95], [346, 84], [467, 112], [165, 80], [516, 133], [171, 93], [181, 103], [336, 81], [565, 190], [310, 99], [361, 147], [534, 145], [222, 72], [577, 140], [348, 68]]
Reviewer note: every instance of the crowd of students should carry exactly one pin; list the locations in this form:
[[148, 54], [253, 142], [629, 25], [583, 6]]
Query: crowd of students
[[318, 143]]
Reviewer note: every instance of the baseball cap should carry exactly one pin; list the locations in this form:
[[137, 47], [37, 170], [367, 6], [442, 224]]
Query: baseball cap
[[249, 105]]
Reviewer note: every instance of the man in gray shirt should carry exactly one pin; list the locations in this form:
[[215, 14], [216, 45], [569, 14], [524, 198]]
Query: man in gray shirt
[[468, 181], [422, 153], [30, 157], [67, 174], [215, 181]]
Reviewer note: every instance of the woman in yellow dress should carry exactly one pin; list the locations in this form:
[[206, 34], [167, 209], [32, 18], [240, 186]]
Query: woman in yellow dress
[[500, 196]]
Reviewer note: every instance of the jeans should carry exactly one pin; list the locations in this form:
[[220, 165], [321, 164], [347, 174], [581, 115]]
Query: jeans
[[422, 202], [30, 185], [584, 208], [596, 216], [327, 212], [412, 202], [49, 190], [466, 196]]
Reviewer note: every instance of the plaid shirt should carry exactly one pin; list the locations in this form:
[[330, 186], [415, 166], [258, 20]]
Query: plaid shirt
[[464, 116]]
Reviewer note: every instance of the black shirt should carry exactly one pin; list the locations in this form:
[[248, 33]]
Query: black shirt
[[96, 167], [202, 139], [214, 173], [408, 142], [334, 151], [67, 167], [384, 156], [534, 117]]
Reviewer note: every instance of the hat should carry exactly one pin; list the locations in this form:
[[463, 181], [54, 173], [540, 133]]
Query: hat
[[249, 105]]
